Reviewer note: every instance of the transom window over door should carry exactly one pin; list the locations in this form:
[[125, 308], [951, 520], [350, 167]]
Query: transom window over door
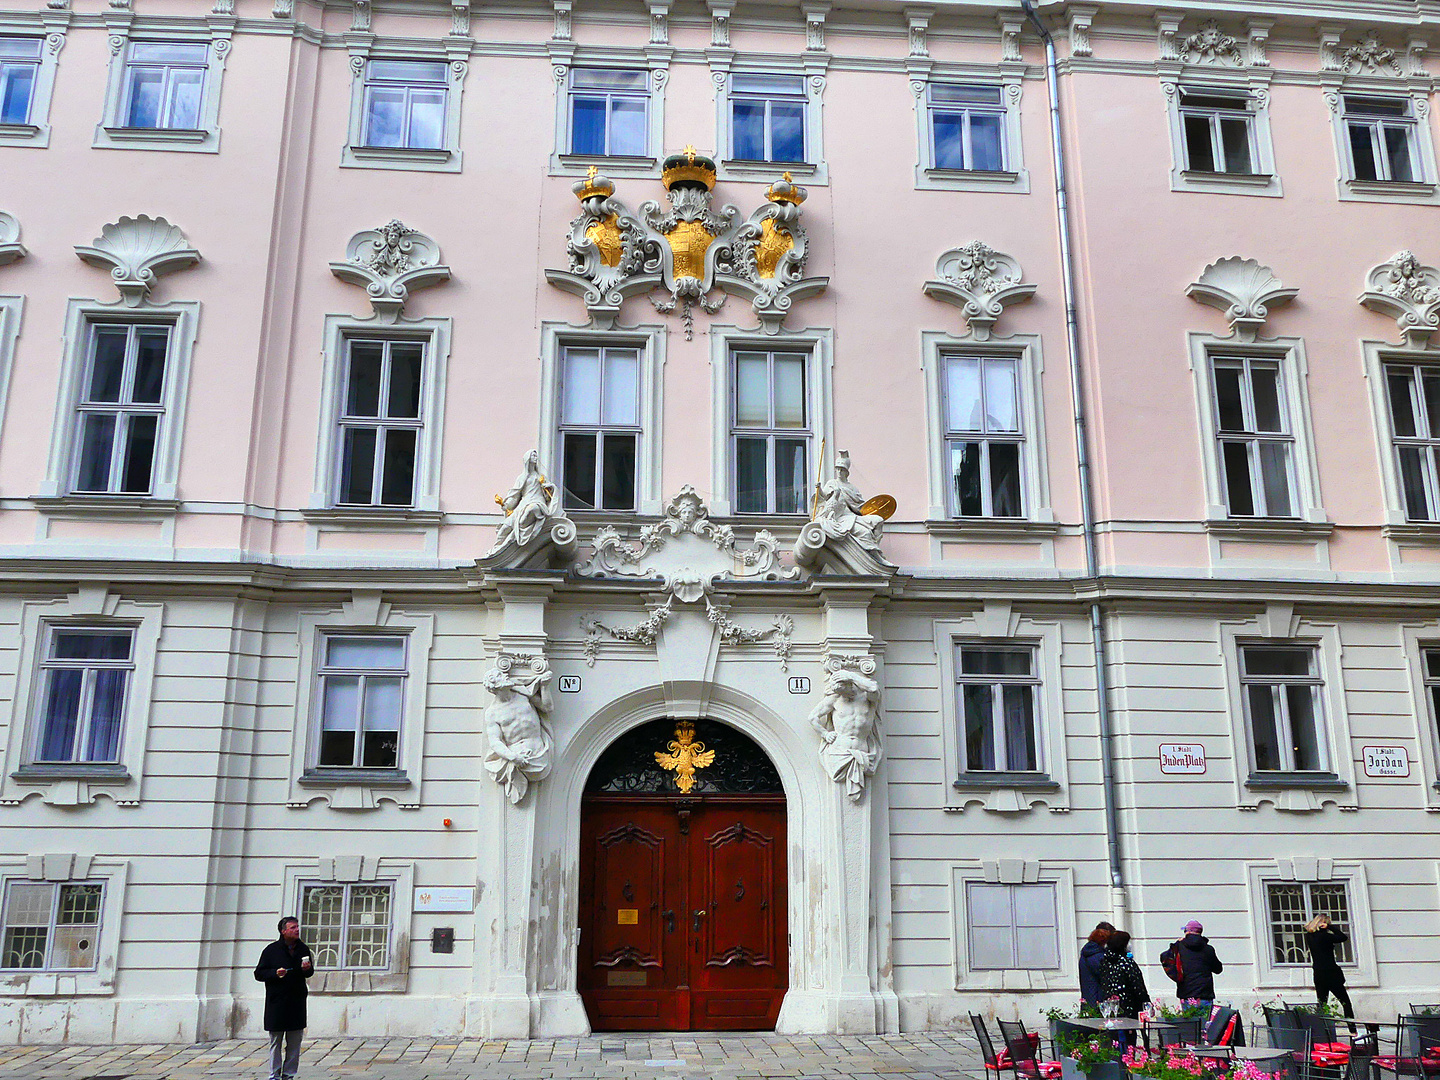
[[380, 422], [1219, 132], [767, 117], [1381, 134], [609, 111], [121, 408], [599, 427], [1256, 443], [1292, 904], [1414, 393], [405, 103], [1283, 710], [983, 436], [362, 701], [19, 70], [998, 709], [86, 675], [967, 127], [770, 432], [165, 84]]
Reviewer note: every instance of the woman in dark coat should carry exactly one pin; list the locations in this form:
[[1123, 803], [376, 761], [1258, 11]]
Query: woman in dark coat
[[1120, 976], [1090, 955], [1321, 938]]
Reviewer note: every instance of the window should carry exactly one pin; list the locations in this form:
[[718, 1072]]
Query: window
[[86, 673], [347, 926], [1381, 135], [1414, 392], [1012, 927], [767, 117], [1281, 687], [983, 437], [1291, 904], [1219, 132], [1256, 445], [381, 422], [599, 427], [608, 112], [967, 127], [998, 706], [51, 926], [19, 73], [362, 696], [121, 408], [165, 84], [405, 104], [770, 433], [1432, 686]]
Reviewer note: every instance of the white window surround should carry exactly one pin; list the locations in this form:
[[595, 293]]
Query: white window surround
[[1303, 791], [1417, 93], [50, 28], [996, 623], [1269, 976], [359, 870], [1013, 872], [1417, 639], [819, 344], [425, 510], [359, 789], [111, 133], [656, 62], [1034, 466], [58, 868], [1310, 519], [80, 783], [814, 169], [1255, 87], [56, 490], [1011, 80], [12, 311], [1379, 354], [650, 341], [448, 158]]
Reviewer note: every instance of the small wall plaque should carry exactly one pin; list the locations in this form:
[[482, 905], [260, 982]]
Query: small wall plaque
[[442, 939], [799, 684], [569, 684], [626, 978], [628, 916], [1386, 760]]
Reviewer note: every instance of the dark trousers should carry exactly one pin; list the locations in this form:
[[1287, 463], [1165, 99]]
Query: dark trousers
[[1333, 982]]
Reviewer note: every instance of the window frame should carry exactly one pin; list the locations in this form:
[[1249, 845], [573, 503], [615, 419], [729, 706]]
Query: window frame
[[1254, 88], [1011, 889], [985, 438], [347, 888], [645, 96], [60, 868], [601, 430], [324, 671], [1013, 872], [50, 28], [1000, 747], [1416, 101], [1310, 910], [811, 71], [361, 869], [1009, 80], [1378, 124], [1420, 639], [169, 71], [1279, 686], [57, 888], [1428, 444], [358, 153], [381, 425], [49, 663], [114, 132], [565, 57], [1363, 972], [772, 433], [1252, 438], [123, 409]]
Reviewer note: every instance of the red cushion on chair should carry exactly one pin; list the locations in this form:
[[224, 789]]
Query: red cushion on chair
[[1049, 1070]]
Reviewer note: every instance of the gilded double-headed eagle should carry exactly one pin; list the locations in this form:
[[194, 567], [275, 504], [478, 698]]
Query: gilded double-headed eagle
[[685, 756]]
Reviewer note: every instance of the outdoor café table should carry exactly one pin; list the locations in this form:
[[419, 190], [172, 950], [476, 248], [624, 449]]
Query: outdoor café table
[[1100, 1025], [1243, 1053]]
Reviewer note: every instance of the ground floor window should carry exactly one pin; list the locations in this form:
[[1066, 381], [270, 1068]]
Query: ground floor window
[[50, 926], [1291, 904], [347, 926]]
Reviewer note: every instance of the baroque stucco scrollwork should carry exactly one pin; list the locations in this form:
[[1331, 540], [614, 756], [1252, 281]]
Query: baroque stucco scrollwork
[[1244, 290], [847, 719], [10, 247], [1408, 291], [536, 532], [388, 263], [137, 251], [688, 250], [981, 282], [522, 748], [842, 535]]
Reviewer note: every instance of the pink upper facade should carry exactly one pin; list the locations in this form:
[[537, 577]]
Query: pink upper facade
[[273, 196]]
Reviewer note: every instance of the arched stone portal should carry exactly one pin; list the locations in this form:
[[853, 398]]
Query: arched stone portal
[[683, 882]]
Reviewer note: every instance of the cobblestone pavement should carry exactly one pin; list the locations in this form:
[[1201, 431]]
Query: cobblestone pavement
[[915, 1056]]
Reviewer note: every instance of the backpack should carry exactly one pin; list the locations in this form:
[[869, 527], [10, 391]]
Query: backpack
[[1171, 963]]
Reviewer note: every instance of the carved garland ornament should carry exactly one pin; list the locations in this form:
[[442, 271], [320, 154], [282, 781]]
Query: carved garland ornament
[[136, 251], [387, 263], [10, 247], [1211, 45], [981, 282], [1408, 291]]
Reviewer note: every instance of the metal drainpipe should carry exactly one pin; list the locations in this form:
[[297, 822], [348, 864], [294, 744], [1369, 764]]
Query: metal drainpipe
[[1082, 453]]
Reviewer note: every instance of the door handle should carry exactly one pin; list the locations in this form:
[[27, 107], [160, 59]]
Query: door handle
[[669, 922], [697, 915]]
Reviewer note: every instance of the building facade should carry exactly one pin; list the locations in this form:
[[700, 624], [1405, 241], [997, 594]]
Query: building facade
[[820, 669]]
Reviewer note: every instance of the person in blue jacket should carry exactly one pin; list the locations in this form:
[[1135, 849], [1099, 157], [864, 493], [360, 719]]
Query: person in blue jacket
[[1090, 955]]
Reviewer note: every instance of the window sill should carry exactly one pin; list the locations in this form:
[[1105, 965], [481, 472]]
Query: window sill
[[1269, 528], [97, 771], [358, 981], [985, 781], [1196, 181], [1427, 532], [161, 135], [1391, 190], [577, 164], [100, 505], [1307, 781], [1200, 176], [401, 157], [374, 517], [769, 168], [330, 777], [19, 132], [990, 528]]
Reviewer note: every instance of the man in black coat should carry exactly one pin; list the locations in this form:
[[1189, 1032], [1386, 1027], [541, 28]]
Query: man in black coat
[[284, 966], [1199, 965]]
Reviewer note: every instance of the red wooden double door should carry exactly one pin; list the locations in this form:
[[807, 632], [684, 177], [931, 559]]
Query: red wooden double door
[[683, 912]]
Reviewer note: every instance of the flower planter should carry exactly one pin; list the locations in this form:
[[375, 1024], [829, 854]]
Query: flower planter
[[1110, 1070]]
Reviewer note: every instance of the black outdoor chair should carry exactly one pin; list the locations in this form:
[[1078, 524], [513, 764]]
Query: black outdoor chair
[[1024, 1052]]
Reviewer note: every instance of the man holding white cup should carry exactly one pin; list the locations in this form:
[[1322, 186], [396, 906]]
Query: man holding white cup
[[283, 968]]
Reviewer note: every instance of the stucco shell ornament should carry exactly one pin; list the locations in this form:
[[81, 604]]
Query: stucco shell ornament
[[1408, 291], [1244, 290], [136, 251], [981, 282], [10, 247], [388, 263]]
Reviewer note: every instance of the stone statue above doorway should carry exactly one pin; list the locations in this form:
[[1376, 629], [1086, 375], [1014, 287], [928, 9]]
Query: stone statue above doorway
[[847, 719], [522, 748]]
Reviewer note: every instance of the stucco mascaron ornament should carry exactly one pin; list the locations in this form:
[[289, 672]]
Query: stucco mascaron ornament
[[535, 532], [136, 251], [687, 250], [847, 720], [1244, 290], [10, 247], [522, 748], [1409, 292], [388, 263], [844, 534], [981, 282]]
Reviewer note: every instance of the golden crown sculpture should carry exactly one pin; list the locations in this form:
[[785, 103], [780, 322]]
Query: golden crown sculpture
[[688, 165]]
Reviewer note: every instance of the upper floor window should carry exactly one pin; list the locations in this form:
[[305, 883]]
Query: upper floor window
[[347, 926], [1281, 688], [1256, 442], [19, 73], [165, 84], [1012, 926], [380, 422], [121, 407], [362, 701], [1219, 131], [1381, 133], [983, 436], [770, 432], [1292, 904], [767, 117], [609, 111], [967, 127], [1431, 676], [405, 103], [51, 926], [998, 689], [1414, 392], [85, 677], [599, 427]]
